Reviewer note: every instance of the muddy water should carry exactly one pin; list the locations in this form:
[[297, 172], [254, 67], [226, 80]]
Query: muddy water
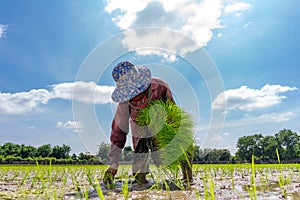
[[225, 187], [222, 190]]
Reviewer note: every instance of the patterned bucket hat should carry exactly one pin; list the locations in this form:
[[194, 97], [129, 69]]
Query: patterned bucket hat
[[131, 80]]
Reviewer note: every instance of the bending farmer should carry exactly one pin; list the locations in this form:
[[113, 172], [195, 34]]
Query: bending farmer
[[135, 90]]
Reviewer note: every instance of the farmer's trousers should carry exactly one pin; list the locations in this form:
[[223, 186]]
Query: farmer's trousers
[[141, 157]]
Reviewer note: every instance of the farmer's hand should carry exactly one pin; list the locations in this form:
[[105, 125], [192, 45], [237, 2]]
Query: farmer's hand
[[109, 175]]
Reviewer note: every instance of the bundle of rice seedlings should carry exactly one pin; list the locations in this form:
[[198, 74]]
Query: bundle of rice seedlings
[[172, 129]]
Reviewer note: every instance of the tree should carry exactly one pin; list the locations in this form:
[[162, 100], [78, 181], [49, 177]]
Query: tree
[[196, 153], [269, 145], [203, 153], [218, 155], [248, 146], [127, 153], [212, 155], [44, 150], [10, 149], [224, 155], [27, 151], [103, 152], [82, 156], [85, 157], [298, 149], [66, 150], [288, 141], [74, 157], [59, 152]]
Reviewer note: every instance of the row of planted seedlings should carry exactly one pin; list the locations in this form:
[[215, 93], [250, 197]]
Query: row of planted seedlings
[[247, 180], [162, 184], [56, 181], [48, 181]]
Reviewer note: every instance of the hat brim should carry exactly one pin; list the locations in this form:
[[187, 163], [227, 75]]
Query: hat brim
[[140, 84]]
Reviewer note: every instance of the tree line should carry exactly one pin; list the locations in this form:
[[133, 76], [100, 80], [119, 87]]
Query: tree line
[[13, 153], [285, 142]]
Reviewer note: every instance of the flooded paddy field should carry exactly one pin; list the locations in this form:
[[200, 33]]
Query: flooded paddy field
[[224, 181]]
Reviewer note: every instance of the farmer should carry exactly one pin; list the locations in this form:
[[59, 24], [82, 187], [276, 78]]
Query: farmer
[[135, 89]]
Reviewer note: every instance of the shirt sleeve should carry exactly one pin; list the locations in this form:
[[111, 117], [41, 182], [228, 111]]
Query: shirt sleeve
[[168, 94], [120, 128]]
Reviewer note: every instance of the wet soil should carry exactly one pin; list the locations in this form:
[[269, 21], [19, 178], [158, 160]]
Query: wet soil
[[265, 185]]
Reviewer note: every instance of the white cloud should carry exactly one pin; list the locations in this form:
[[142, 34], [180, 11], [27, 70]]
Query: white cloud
[[219, 35], [156, 42], [276, 117], [2, 30], [127, 9], [74, 125], [216, 138], [87, 92], [192, 18], [24, 102], [237, 7], [262, 119], [248, 99], [247, 25], [226, 134], [238, 14]]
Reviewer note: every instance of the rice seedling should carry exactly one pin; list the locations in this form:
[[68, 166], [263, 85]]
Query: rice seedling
[[167, 188], [171, 128], [206, 192], [99, 190], [86, 193], [212, 189], [24, 178], [197, 194], [281, 180], [33, 182], [253, 185]]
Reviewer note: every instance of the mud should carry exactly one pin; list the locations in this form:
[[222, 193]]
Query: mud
[[270, 184]]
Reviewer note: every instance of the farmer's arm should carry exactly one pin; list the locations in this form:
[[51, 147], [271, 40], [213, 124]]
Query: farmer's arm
[[120, 128], [168, 94]]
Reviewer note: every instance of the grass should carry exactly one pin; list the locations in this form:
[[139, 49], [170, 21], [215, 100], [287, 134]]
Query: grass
[[53, 182]]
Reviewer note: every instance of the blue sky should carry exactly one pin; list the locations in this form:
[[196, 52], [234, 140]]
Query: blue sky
[[49, 48]]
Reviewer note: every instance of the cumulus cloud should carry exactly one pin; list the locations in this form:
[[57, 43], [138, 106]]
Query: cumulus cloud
[[237, 7], [194, 19], [2, 30], [74, 125], [248, 99], [87, 92], [157, 41], [24, 102]]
